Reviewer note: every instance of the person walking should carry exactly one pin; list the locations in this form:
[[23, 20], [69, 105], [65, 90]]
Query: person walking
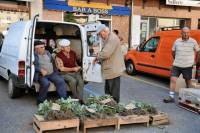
[[183, 52], [112, 61], [45, 72]]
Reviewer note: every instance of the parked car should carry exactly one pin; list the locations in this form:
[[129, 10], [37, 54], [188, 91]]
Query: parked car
[[17, 51], [154, 56]]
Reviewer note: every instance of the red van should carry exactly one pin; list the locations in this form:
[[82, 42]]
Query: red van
[[155, 55]]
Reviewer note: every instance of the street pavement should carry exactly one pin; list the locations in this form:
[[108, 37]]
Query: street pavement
[[16, 114]]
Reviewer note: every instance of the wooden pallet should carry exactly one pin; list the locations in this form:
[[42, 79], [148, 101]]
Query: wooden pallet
[[189, 106], [40, 125], [159, 119], [132, 119], [92, 123]]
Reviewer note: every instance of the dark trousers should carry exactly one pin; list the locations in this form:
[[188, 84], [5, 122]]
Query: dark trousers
[[44, 85], [112, 87]]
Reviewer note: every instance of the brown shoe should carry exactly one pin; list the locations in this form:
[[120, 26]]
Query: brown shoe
[[168, 100]]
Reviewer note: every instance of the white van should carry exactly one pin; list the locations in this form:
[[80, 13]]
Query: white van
[[17, 51]]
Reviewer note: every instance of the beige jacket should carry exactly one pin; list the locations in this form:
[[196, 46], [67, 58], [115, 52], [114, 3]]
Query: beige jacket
[[111, 57]]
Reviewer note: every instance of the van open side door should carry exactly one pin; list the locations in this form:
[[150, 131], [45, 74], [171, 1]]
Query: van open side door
[[30, 68], [91, 72]]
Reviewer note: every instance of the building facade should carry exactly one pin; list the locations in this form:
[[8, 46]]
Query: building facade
[[12, 11], [156, 15], [113, 13], [148, 16]]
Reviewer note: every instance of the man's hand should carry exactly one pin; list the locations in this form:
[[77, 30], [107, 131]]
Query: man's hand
[[94, 61], [76, 69], [43, 71]]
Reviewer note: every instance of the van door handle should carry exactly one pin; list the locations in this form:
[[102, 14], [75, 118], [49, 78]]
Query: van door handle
[[152, 56]]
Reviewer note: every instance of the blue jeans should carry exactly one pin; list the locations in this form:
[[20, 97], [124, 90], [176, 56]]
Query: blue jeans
[[44, 85]]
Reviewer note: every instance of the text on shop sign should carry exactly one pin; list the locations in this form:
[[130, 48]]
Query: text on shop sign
[[174, 2], [90, 10], [195, 3]]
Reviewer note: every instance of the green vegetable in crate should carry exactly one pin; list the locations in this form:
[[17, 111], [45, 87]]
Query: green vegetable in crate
[[44, 107], [69, 103], [79, 111], [147, 107], [97, 99]]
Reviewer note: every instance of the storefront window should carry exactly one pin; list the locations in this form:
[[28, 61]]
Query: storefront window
[[149, 25]]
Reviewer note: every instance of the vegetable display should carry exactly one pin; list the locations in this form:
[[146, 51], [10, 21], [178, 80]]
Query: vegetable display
[[98, 107]]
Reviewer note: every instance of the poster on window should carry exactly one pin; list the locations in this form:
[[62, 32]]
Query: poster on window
[[195, 3]]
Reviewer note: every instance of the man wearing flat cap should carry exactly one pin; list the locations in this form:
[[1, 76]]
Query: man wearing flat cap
[[66, 61], [112, 61], [46, 72]]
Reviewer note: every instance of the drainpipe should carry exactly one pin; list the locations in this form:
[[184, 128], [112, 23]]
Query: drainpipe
[[130, 25]]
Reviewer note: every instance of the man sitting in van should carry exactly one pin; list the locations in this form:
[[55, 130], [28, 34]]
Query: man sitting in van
[[66, 61], [183, 52], [45, 72]]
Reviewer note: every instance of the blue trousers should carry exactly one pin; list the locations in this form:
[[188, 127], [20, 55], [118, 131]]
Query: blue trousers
[[44, 85]]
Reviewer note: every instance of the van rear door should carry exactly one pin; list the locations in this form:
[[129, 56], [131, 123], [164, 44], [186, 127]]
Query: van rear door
[[91, 72], [30, 68]]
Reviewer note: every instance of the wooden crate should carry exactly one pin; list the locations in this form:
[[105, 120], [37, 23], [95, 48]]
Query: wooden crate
[[189, 106], [92, 123], [40, 125], [131, 119], [159, 119]]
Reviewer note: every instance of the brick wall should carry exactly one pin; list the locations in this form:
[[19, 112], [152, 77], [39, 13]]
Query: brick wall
[[52, 15], [152, 8], [121, 23]]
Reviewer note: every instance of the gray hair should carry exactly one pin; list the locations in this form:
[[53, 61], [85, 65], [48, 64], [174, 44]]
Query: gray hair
[[185, 28]]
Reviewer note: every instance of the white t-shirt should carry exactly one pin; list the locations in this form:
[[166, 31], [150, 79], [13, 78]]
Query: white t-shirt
[[185, 52]]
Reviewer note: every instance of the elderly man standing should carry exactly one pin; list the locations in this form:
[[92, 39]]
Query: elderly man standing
[[183, 52], [67, 64], [46, 72], [112, 61]]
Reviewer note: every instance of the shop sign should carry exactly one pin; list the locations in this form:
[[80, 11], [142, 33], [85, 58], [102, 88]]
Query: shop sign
[[195, 3], [90, 10]]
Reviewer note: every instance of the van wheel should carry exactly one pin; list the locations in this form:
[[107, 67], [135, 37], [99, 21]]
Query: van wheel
[[13, 91], [130, 68]]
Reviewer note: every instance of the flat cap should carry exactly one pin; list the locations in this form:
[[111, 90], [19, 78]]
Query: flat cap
[[100, 28], [38, 43], [64, 42]]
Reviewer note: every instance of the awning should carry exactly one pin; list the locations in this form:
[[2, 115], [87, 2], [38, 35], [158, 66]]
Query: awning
[[61, 5]]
